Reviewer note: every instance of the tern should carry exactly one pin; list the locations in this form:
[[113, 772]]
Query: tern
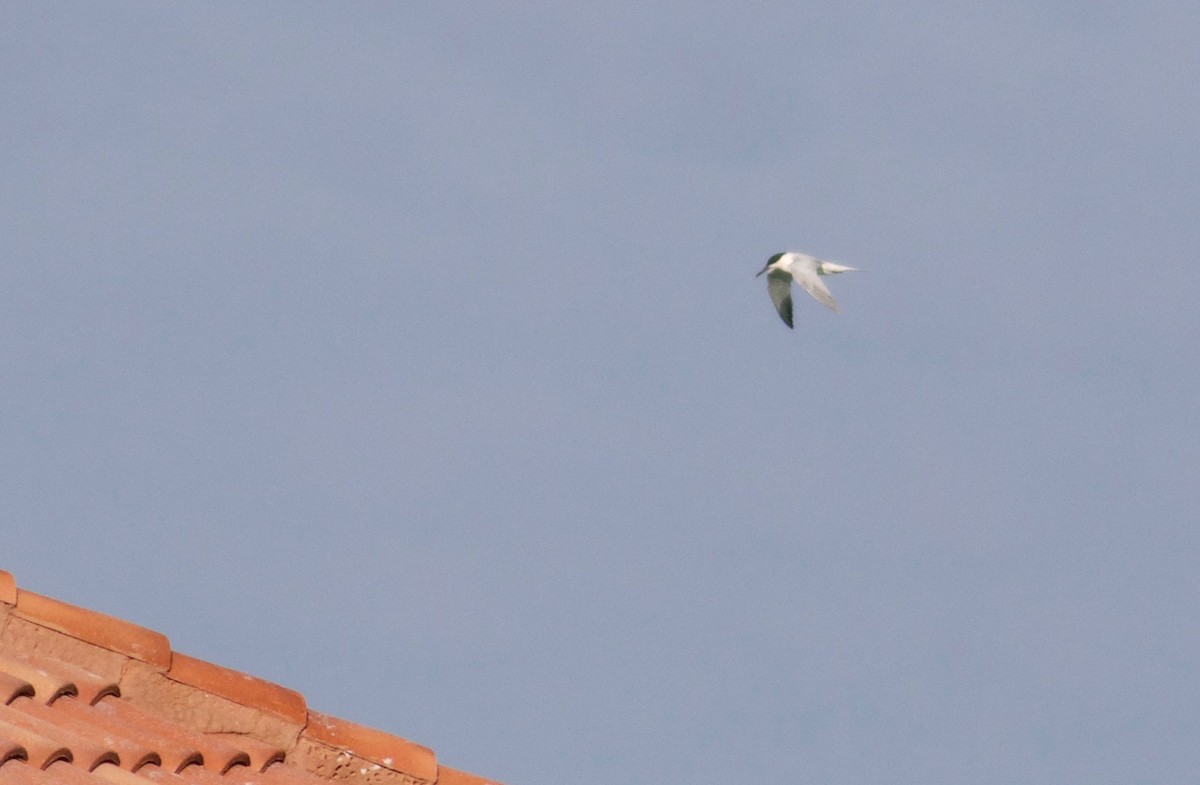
[[783, 268]]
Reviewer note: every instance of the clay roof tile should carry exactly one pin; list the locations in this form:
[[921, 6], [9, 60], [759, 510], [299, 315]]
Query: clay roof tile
[[73, 679], [13, 687], [74, 728], [47, 686], [48, 740], [239, 687], [61, 772], [8, 588], [169, 753], [106, 772], [96, 628], [374, 745], [40, 750], [259, 754], [160, 716], [11, 749]]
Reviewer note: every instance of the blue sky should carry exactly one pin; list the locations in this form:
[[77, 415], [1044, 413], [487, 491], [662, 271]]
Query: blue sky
[[411, 356]]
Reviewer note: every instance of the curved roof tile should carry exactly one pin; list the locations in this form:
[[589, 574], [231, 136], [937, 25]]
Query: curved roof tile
[[87, 699]]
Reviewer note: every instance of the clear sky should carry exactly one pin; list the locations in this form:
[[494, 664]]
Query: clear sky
[[411, 355]]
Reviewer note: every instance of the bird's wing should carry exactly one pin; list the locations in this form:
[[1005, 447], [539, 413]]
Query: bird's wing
[[780, 287], [816, 287]]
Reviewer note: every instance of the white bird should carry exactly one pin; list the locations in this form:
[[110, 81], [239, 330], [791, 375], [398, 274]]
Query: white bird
[[783, 268]]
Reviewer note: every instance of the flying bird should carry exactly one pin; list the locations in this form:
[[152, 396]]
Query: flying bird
[[783, 268]]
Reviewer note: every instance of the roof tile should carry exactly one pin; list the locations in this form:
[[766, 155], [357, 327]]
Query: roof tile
[[285, 775], [48, 687], [8, 588], [21, 637], [62, 773], [96, 628], [171, 753], [11, 687], [18, 773], [61, 678], [192, 775], [76, 728], [200, 710], [86, 699], [259, 755], [374, 745], [332, 763], [11, 749], [239, 687], [181, 746], [106, 772], [43, 744]]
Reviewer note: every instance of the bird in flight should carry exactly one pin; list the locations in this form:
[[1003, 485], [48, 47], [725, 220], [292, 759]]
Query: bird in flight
[[783, 268]]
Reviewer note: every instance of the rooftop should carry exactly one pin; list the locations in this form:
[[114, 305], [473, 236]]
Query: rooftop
[[87, 699]]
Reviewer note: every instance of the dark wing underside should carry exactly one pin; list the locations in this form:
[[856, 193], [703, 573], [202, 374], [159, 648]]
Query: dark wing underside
[[780, 288]]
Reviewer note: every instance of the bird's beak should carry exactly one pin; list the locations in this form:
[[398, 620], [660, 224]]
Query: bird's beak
[[760, 272]]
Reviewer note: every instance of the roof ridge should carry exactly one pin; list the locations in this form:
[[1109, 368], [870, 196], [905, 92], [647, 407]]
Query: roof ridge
[[317, 739], [241, 688], [99, 629], [377, 746]]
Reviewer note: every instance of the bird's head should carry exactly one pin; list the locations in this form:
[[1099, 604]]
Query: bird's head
[[770, 262]]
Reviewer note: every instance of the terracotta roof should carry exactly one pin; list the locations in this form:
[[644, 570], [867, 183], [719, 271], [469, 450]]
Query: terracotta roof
[[86, 699]]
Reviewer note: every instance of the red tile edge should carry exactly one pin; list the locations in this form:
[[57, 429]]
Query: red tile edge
[[376, 746], [96, 628], [8, 588], [239, 687], [449, 776]]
